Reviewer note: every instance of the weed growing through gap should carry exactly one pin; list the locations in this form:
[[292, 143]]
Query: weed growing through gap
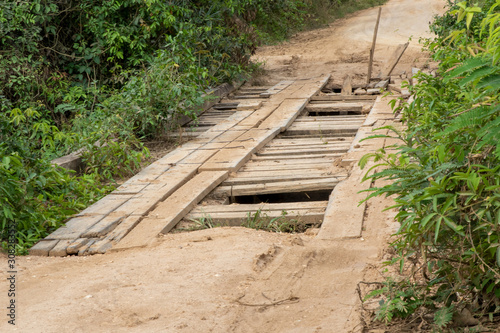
[[258, 221]]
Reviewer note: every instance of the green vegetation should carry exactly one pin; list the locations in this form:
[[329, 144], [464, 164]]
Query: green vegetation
[[445, 176]]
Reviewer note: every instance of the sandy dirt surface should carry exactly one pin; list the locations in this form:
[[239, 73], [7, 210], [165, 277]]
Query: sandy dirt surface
[[232, 279], [343, 47]]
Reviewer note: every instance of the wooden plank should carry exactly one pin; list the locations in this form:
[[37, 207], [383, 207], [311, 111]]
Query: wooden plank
[[103, 227], [249, 105], [259, 115], [287, 162], [277, 88], [163, 186], [286, 141], [240, 151], [123, 228], [284, 115], [199, 157], [280, 187], [393, 61], [338, 98], [347, 86], [241, 180], [261, 206], [303, 151], [237, 218], [76, 245], [324, 164], [60, 249], [323, 131], [99, 247], [342, 119], [372, 49], [43, 247], [106, 205], [312, 171], [319, 145], [75, 227], [169, 212], [311, 87], [84, 249], [334, 107], [294, 157]]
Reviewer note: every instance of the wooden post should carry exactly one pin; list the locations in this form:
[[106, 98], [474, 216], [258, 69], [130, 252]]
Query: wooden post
[[372, 50]]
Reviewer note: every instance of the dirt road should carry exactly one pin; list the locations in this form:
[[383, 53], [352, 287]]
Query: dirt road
[[232, 279]]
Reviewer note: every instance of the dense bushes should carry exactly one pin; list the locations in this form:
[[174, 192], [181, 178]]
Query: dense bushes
[[445, 175]]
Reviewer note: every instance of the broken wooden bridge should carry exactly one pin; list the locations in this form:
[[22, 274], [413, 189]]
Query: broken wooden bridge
[[269, 149]]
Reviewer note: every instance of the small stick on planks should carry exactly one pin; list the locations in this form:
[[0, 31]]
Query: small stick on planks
[[347, 86], [372, 50]]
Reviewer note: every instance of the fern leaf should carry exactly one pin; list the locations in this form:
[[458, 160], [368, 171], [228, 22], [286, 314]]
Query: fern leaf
[[492, 81], [479, 73], [443, 316], [465, 121], [469, 64]]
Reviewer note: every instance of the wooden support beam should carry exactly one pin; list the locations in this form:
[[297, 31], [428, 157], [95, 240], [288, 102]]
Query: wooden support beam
[[393, 61], [372, 50]]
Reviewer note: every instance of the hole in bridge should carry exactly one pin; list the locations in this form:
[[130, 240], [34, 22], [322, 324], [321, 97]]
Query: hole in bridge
[[321, 195]]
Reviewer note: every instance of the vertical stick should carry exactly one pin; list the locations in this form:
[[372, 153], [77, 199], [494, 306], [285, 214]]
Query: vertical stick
[[372, 50]]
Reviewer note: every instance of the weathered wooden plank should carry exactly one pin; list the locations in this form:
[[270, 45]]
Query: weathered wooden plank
[[230, 122], [60, 249], [249, 105], [294, 157], [169, 212], [237, 153], [372, 49], [280, 187], [312, 171], [106, 205], [43, 247], [285, 140], [261, 206], [99, 247], [285, 114], [75, 227], [287, 162], [340, 98], [103, 227], [84, 249], [244, 97], [393, 61], [347, 86], [325, 131], [324, 164], [311, 87], [76, 245], [199, 157], [259, 115], [241, 180], [123, 228], [323, 145], [334, 107], [237, 218], [304, 151]]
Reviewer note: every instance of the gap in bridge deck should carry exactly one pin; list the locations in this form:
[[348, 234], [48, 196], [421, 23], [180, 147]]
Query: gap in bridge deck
[[321, 195], [289, 180]]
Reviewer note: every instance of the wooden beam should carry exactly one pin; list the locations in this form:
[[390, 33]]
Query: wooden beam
[[354, 98], [393, 61], [347, 86], [372, 50]]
